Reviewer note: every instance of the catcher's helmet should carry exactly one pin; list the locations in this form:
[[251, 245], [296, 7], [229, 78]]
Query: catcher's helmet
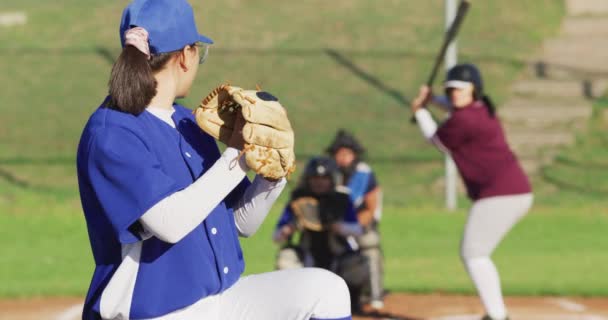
[[344, 139], [465, 72], [322, 166]]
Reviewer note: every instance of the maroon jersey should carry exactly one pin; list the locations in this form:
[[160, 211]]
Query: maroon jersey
[[477, 143]]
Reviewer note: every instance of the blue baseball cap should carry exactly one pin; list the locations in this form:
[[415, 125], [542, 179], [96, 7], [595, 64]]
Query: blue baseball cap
[[170, 24]]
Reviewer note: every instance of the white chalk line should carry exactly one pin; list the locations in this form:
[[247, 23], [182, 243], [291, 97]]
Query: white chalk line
[[568, 305], [72, 313]]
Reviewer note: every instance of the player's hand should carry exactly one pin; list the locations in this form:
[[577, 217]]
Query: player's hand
[[236, 140], [424, 96], [287, 230], [335, 227]]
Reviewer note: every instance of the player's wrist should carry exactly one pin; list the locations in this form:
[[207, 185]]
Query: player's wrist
[[235, 159]]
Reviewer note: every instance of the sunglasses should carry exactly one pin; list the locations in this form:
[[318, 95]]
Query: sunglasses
[[203, 52]]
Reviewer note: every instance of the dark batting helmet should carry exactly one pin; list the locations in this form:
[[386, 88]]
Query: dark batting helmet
[[322, 166], [465, 73]]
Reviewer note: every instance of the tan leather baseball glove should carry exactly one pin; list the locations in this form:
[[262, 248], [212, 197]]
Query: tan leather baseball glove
[[307, 213], [259, 119]]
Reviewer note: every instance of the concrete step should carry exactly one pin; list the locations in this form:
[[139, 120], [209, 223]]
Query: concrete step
[[531, 167], [553, 101], [538, 139], [585, 26], [560, 88], [545, 69], [589, 45], [578, 54], [537, 113], [586, 7], [543, 124], [542, 155], [533, 163]]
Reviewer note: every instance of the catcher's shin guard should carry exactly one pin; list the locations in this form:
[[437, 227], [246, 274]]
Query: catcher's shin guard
[[289, 257]]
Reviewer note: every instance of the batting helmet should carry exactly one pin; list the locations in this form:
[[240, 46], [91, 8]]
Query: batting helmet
[[465, 72], [469, 73]]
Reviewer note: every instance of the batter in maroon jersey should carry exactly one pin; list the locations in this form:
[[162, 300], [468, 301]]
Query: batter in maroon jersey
[[494, 179]]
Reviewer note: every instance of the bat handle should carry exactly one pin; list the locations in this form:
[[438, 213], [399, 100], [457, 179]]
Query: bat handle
[[428, 84]]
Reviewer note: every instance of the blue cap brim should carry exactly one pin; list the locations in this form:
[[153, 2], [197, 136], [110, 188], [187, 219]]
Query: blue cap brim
[[204, 39]]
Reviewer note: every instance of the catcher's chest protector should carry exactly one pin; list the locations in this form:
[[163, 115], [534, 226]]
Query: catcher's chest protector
[[325, 246]]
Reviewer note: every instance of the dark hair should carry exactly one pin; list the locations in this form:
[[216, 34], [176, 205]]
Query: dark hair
[[132, 85], [345, 139], [489, 105]]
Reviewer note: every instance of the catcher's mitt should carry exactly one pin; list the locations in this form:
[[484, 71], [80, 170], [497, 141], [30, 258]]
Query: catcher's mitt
[[266, 132], [307, 213]]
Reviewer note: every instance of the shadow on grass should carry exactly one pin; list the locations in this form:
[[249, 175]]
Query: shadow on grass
[[367, 77], [13, 179]]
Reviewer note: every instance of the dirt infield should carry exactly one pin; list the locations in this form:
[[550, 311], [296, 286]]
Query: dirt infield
[[398, 306], [450, 307]]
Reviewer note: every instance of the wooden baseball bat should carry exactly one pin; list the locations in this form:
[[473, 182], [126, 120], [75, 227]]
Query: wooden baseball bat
[[450, 34]]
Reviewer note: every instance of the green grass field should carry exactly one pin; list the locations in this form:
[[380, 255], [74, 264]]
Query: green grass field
[[347, 63], [553, 251]]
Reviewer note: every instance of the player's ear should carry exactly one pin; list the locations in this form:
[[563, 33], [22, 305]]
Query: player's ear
[[184, 57]]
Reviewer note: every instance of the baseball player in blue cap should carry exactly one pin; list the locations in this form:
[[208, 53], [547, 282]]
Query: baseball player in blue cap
[[164, 208]]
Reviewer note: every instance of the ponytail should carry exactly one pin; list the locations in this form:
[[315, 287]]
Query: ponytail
[[132, 84], [489, 105]]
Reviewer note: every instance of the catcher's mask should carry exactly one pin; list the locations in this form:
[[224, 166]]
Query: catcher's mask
[[322, 166], [464, 75]]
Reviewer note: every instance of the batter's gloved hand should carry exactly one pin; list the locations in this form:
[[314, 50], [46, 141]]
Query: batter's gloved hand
[[253, 121]]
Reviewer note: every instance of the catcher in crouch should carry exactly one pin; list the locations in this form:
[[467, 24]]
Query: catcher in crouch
[[164, 207], [327, 225]]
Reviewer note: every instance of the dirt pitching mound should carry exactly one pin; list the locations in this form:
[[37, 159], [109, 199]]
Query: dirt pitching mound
[[398, 306]]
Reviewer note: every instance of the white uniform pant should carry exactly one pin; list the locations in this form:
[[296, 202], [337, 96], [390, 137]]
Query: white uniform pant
[[295, 294], [490, 219]]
